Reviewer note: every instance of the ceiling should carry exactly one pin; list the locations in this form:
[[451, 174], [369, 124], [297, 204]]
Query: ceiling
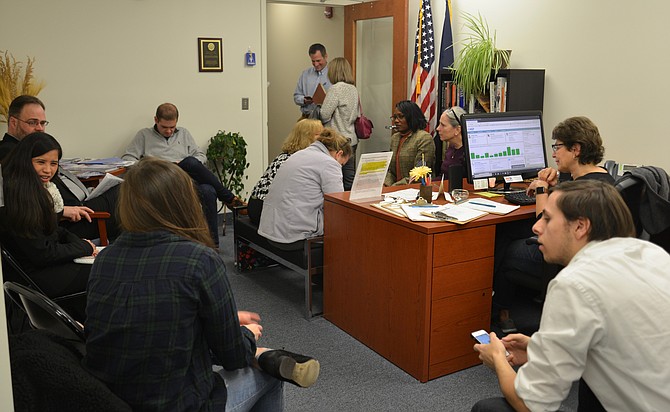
[[319, 2]]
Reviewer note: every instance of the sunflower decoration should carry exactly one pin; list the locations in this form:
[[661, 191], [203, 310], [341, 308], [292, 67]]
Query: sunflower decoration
[[420, 174]]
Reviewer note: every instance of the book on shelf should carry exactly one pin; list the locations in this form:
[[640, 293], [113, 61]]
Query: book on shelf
[[501, 94], [492, 97]]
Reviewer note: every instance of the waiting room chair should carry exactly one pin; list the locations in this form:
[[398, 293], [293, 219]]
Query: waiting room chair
[[44, 313]]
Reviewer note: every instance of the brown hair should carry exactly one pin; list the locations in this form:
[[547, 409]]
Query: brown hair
[[167, 111], [335, 142], [159, 195], [301, 136], [581, 130], [600, 203]]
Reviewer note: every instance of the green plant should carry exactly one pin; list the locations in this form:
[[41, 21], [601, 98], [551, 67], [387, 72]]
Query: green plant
[[227, 157], [16, 81], [478, 56]]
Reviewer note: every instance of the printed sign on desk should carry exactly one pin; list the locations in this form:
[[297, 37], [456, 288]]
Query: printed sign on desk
[[370, 176]]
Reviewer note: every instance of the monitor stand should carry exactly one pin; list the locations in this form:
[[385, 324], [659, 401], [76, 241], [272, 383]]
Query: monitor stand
[[507, 188]]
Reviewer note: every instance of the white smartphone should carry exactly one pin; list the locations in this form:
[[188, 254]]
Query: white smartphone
[[482, 336]]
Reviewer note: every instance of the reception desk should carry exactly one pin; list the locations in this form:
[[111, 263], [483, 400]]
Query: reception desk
[[411, 291]]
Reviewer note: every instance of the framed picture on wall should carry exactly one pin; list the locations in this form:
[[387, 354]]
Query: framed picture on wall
[[210, 54]]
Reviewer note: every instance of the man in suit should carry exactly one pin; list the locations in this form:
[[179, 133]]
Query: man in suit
[[27, 115], [606, 317]]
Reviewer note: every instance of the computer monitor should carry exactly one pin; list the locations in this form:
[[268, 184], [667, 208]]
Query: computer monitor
[[503, 144]]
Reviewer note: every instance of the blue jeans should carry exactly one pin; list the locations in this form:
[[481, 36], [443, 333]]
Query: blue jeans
[[250, 389], [202, 175]]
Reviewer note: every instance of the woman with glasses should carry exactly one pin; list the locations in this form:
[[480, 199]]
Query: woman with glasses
[[449, 130], [577, 150], [411, 145]]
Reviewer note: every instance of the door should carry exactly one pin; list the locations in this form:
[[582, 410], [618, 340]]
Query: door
[[375, 42]]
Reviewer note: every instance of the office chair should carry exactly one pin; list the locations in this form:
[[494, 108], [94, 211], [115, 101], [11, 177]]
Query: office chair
[[44, 313], [634, 190]]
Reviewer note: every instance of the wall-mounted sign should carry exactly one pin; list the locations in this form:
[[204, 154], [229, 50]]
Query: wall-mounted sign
[[210, 54]]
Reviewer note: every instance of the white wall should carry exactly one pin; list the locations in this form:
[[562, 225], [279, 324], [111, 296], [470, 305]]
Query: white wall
[[591, 51], [291, 30], [108, 65]]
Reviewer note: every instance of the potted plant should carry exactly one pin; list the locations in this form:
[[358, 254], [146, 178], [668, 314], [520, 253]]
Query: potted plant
[[478, 57], [15, 80], [227, 158]]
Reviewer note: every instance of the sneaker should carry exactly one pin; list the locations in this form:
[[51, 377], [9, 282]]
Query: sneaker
[[290, 367], [507, 326]]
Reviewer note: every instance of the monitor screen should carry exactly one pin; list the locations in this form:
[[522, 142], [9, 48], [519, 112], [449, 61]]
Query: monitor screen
[[503, 144]]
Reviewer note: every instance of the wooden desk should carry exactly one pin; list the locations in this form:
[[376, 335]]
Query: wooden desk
[[411, 291]]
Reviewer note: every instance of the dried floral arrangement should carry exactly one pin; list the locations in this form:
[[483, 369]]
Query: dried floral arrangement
[[16, 80]]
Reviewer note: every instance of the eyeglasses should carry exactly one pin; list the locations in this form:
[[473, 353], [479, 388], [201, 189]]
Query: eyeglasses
[[33, 122], [456, 117], [556, 146], [398, 116]]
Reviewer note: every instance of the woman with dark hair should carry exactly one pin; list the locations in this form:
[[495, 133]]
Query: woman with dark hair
[[411, 145], [577, 150], [162, 328], [29, 221]]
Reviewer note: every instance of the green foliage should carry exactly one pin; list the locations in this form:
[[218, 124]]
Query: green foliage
[[227, 158], [478, 56]]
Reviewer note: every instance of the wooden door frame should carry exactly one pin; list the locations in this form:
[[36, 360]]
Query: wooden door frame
[[398, 9]]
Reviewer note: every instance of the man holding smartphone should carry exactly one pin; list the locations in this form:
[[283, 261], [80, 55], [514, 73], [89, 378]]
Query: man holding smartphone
[[311, 78], [606, 318]]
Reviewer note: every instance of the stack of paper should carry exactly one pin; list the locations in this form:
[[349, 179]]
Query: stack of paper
[[489, 206]]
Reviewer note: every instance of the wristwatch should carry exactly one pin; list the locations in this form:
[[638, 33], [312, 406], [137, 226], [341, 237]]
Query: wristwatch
[[539, 190]]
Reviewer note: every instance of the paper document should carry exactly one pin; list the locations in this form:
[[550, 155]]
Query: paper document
[[410, 195], [490, 206], [107, 182], [459, 213], [370, 175]]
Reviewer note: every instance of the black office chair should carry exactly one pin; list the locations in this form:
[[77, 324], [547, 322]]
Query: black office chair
[[43, 313]]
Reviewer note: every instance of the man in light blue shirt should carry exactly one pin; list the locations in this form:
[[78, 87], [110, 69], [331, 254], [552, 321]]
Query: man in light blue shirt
[[310, 78]]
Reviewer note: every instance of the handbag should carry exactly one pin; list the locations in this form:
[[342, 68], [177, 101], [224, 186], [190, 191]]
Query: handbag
[[363, 125]]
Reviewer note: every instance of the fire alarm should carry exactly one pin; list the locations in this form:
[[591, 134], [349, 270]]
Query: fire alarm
[[328, 12]]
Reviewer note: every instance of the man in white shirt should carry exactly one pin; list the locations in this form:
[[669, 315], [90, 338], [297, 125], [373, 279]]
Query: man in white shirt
[[606, 318], [310, 79]]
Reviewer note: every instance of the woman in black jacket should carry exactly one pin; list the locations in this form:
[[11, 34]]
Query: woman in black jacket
[[29, 220]]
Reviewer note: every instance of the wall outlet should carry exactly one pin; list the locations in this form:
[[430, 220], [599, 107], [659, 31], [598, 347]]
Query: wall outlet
[[245, 103]]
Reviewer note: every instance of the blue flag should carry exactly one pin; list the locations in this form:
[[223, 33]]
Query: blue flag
[[447, 45]]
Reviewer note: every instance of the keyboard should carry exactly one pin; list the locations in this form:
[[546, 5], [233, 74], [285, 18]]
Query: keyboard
[[520, 198]]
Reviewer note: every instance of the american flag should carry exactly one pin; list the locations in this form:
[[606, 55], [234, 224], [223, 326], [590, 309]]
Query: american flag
[[423, 71]]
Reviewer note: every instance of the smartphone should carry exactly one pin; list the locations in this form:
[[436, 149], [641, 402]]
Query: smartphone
[[482, 336]]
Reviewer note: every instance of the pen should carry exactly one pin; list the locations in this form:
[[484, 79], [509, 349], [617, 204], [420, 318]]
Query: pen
[[424, 206], [482, 204]]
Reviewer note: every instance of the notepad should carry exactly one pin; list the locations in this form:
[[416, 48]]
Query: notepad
[[87, 260], [319, 94]]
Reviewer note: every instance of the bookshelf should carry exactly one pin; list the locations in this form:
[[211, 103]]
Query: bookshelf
[[525, 90]]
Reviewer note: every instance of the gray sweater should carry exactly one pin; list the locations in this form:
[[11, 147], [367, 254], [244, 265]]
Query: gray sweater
[[340, 109]]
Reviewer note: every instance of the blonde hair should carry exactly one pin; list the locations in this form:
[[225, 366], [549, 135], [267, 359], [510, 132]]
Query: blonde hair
[[302, 135], [339, 70]]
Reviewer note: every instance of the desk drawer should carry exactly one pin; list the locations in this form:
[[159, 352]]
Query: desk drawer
[[452, 321], [462, 278], [463, 245]]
